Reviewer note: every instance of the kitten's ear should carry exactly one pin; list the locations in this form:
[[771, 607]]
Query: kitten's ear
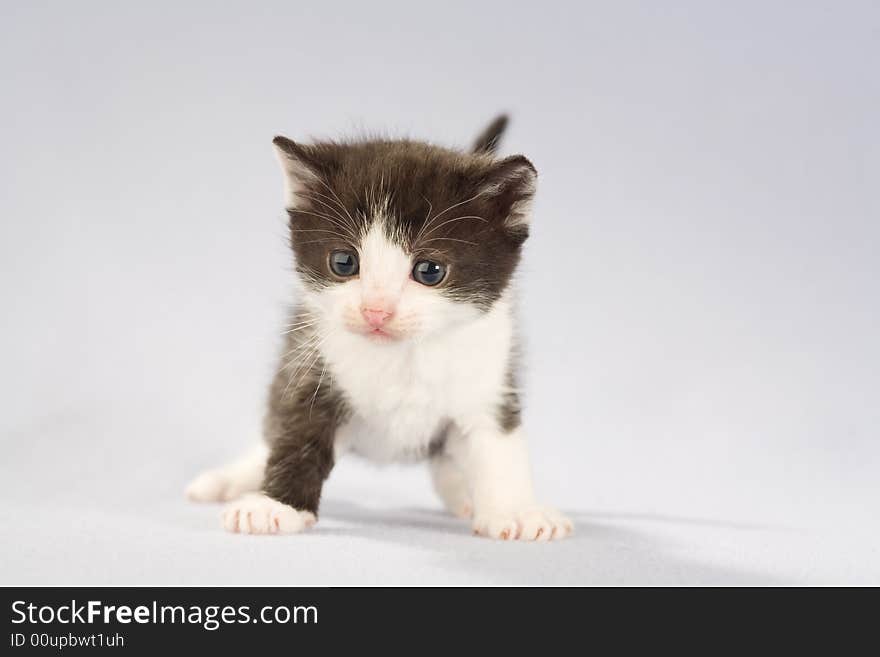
[[488, 140], [510, 186], [300, 167]]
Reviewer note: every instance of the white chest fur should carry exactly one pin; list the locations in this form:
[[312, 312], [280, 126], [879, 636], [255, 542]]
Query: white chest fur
[[402, 394]]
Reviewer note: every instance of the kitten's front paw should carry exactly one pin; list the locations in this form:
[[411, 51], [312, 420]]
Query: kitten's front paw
[[256, 513], [534, 523]]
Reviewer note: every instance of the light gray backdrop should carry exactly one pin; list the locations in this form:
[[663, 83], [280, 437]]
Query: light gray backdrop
[[699, 295]]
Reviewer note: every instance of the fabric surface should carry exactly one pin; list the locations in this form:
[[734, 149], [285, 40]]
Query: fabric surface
[[114, 514]]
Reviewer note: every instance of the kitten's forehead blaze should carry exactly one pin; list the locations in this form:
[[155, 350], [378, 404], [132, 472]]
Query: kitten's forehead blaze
[[384, 264], [469, 212]]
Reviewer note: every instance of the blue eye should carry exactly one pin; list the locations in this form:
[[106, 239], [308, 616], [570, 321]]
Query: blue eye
[[344, 263], [427, 272]]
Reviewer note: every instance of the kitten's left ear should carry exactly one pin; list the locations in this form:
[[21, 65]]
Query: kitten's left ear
[[510, 186]]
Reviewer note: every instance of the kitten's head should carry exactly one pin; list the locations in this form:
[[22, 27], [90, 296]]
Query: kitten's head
[[396, 239]]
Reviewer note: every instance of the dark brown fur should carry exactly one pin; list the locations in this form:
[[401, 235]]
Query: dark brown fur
[[510, 411], [476, 235], [300, 426]]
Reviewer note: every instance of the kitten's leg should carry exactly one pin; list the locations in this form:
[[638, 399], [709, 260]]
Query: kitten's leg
[[496, 465], [451, 486], [298, 464], [231, 480], [300, 427]]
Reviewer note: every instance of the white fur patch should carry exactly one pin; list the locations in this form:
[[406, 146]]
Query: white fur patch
[[384, 271], [403, 392]]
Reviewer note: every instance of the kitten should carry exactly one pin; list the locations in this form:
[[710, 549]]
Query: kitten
[[403, 345]]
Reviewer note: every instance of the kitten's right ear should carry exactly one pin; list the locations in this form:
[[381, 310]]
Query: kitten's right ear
[[509, 186], [300, 168]]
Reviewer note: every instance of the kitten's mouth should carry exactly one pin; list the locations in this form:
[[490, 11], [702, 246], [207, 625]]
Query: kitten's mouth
[[377, 333], [380, 335]]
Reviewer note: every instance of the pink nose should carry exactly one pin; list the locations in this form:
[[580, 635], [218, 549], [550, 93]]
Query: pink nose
[[375, 317]]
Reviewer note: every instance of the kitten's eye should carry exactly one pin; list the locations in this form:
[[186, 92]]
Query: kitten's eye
[[428, 273], [344, 263]]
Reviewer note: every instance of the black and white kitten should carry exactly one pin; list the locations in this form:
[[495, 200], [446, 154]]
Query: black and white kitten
[[403, 344]]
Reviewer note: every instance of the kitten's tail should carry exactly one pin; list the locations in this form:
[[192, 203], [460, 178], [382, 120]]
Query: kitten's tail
[[488, 140]]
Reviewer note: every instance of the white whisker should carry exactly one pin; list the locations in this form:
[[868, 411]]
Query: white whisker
[[437, 216], [449, 221]]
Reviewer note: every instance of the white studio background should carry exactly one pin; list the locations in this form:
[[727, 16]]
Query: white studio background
[[700, 298]]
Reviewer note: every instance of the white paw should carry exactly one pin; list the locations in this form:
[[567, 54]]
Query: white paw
[[256, 513], [215, 486], [534, 523]]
